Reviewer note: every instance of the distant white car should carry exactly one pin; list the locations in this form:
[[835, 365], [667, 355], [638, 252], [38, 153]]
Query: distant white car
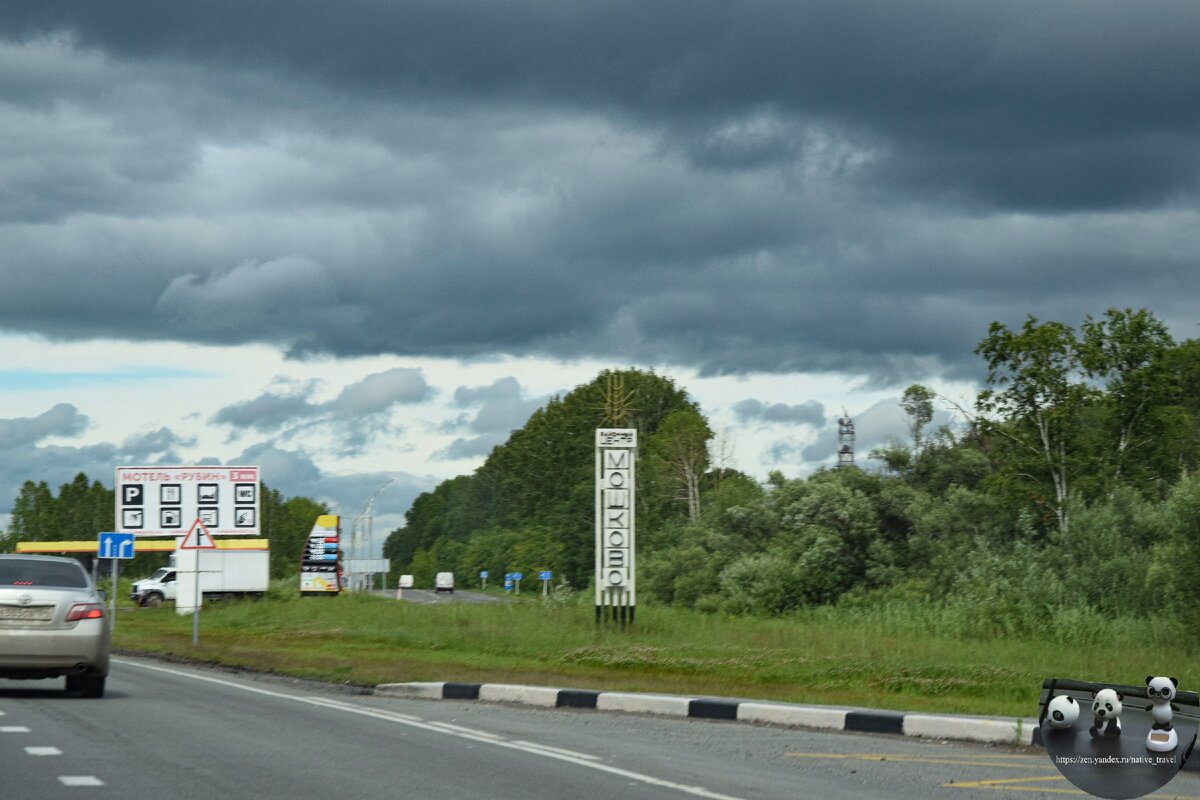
[[444, 582], [53, 622]]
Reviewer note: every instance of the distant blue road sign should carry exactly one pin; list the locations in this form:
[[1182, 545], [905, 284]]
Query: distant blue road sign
[[545, 575], [114, 545], [483, 573], [518, 576]]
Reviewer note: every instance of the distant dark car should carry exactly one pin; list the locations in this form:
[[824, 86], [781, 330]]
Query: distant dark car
[[53, 623]]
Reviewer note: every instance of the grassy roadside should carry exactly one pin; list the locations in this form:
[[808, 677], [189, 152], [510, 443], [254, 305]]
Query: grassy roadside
[[872, 659]]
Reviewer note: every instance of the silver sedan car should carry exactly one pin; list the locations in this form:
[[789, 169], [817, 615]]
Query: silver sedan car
[[53, 622]]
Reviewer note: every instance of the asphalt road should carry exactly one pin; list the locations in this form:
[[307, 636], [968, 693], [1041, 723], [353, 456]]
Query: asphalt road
[[428, 596], [190, 734]]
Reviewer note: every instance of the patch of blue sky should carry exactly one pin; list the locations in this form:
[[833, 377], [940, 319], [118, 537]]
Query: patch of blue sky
[[33, 380]]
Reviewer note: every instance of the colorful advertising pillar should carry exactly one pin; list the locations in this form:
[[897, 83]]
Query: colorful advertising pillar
[[320, 567]]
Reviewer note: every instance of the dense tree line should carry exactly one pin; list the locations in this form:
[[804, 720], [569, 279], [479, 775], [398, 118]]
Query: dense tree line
[[82, 508], [1070, 484], [530, 505]]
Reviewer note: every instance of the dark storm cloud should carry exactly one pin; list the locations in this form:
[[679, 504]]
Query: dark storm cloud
[[776, 186], [63, 419], [24, 456], [810, 413], [294, 473], [883, 423], [358, 413], [502, 407], [154, 447], [472, 448], [267, 412]]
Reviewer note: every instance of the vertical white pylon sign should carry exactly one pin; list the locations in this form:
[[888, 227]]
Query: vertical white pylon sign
[[616, 452]]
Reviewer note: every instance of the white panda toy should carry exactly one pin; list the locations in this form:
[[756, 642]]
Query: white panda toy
[[1062, 712], [1161, 691], [1106, 712]]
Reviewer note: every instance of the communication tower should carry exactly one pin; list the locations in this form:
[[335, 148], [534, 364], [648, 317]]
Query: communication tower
[[845, 452]]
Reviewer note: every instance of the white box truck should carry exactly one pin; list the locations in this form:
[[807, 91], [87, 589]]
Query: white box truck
[[223, 574], [443, 582]]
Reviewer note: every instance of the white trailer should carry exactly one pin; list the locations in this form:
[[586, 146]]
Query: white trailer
[[223, 574]]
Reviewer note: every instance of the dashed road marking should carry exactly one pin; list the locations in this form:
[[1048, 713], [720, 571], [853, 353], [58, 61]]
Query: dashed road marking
[[459, 728], [13, 729], [43, 751], [1010, 785], [559, 750], [80, 780]]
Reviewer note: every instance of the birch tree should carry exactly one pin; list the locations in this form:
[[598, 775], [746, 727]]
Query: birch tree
[[1125, 351], [1037, 391]]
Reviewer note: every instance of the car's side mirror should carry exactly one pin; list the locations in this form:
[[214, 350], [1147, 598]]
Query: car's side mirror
[[103, 595]]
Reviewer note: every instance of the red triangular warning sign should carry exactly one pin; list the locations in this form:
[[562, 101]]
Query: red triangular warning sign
[[198, 538]]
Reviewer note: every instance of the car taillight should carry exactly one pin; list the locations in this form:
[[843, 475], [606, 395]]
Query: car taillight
[[85, 611]]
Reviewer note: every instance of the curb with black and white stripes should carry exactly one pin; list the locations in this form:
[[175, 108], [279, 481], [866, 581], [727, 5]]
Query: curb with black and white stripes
[[992, 730]]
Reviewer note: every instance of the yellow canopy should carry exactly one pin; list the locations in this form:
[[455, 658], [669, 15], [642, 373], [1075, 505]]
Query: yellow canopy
[[140, 546]]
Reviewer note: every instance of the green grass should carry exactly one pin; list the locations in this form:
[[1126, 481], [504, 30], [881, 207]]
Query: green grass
[[907, 657]]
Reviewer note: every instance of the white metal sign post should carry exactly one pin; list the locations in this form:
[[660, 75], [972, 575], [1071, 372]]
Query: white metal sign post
[[198, 539], [616, 453]]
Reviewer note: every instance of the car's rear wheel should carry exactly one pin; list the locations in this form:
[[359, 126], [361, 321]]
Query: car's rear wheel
[[152, 600], [91, 684]]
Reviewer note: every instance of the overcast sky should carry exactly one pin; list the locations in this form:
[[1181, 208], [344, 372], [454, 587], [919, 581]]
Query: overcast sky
[[363, 240]]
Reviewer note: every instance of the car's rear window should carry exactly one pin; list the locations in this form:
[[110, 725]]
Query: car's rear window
[[41, 573]]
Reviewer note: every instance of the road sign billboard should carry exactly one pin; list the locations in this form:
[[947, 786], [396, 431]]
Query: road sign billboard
[[165, 501]]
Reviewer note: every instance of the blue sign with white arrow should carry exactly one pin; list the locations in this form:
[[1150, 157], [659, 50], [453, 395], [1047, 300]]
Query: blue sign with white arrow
[[114, 545], [545, 575]]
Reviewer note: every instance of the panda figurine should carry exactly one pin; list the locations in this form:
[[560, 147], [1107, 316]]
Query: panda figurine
[[1062, 712], [1161, 691], [1106, 712]]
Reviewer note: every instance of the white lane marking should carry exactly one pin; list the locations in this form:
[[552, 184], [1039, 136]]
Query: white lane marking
[[13, 729], [477, 736], [80, 780], [460, 729], [559, 750], [43, 751]]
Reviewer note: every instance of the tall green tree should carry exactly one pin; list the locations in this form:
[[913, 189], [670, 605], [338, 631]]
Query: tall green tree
[[1125, 351], [1035, 396], [677, 457], [917, 403]]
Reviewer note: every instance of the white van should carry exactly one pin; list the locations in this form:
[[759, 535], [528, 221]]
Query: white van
[[444, 582]]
